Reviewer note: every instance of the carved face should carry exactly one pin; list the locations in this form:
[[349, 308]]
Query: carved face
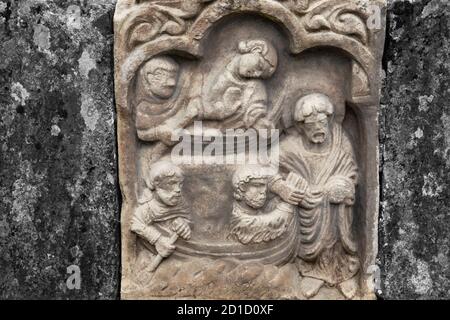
[[316, 128], [252, 65], [168, 191], [255, 193], [162, 80]]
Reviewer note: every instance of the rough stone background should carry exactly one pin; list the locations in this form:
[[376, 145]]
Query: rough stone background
[[59, 204], [415, 139]]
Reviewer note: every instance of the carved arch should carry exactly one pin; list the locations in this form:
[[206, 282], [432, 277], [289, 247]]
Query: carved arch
[[266, 8], [299, 29]]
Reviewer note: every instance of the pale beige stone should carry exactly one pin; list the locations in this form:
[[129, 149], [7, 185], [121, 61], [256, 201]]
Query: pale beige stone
[[310, 286], [349, 287], [198, 225]]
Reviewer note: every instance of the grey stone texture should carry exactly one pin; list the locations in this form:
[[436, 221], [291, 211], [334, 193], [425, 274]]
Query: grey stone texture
[[414, 246], [59, 197], [59, 200]]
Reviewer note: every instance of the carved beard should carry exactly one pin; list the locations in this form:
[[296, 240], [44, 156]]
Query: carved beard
[[255, 203]]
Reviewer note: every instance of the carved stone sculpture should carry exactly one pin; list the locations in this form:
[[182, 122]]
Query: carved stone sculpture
[[237, 95], [297, 80], [249, 224], [162, 215], [317, 150]]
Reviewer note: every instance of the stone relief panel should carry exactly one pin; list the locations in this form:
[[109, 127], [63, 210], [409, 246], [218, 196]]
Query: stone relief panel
[[248, 147]]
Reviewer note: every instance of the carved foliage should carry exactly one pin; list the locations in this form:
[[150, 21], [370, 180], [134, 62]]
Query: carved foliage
[[346, 19], [148, 20]]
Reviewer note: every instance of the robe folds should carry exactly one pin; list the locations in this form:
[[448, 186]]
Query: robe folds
[[254, 226], [326, 248]]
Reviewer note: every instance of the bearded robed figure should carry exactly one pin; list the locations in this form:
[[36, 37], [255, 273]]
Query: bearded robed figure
[[318, 151]]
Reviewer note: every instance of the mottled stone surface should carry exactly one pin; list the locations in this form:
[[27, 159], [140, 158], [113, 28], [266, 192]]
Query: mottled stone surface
[[415, 137], [59, 202]]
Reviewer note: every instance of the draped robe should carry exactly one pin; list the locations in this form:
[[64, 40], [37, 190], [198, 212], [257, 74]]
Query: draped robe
[[255, 226], [327, 250]]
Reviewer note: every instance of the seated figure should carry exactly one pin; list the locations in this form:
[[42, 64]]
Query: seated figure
[[238, 95], [155, 86]]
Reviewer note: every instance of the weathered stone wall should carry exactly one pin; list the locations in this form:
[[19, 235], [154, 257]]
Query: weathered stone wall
[[59, 201], [59, 198], [415, 139]]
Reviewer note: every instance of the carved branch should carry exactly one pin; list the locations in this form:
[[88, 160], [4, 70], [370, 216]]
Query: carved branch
[[148, 20], [346, 19]]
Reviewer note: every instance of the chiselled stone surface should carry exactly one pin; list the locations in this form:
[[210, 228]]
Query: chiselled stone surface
[[415, 139], [58, 188], [289, 90]]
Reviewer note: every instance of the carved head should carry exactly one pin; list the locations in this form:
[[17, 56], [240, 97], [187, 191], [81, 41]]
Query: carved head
[[250, 186], [160, 76], [312, 115], [166, 180], [258, 59]]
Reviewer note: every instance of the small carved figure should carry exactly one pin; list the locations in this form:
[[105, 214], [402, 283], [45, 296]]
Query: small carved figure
[[238, 95], [162, 215], [249, 223], [156, 84], [318, 150]]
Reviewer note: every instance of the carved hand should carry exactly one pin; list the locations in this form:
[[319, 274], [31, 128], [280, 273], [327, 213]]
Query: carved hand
[[181, 227], [288, 193], [165, 135], [164, 246], [341, 190]]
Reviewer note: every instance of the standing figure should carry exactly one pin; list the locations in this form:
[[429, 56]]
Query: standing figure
[[318, 151]]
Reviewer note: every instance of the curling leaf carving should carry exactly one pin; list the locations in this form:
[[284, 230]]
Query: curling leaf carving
[[346, 18], [148, 20], [163, 20]]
